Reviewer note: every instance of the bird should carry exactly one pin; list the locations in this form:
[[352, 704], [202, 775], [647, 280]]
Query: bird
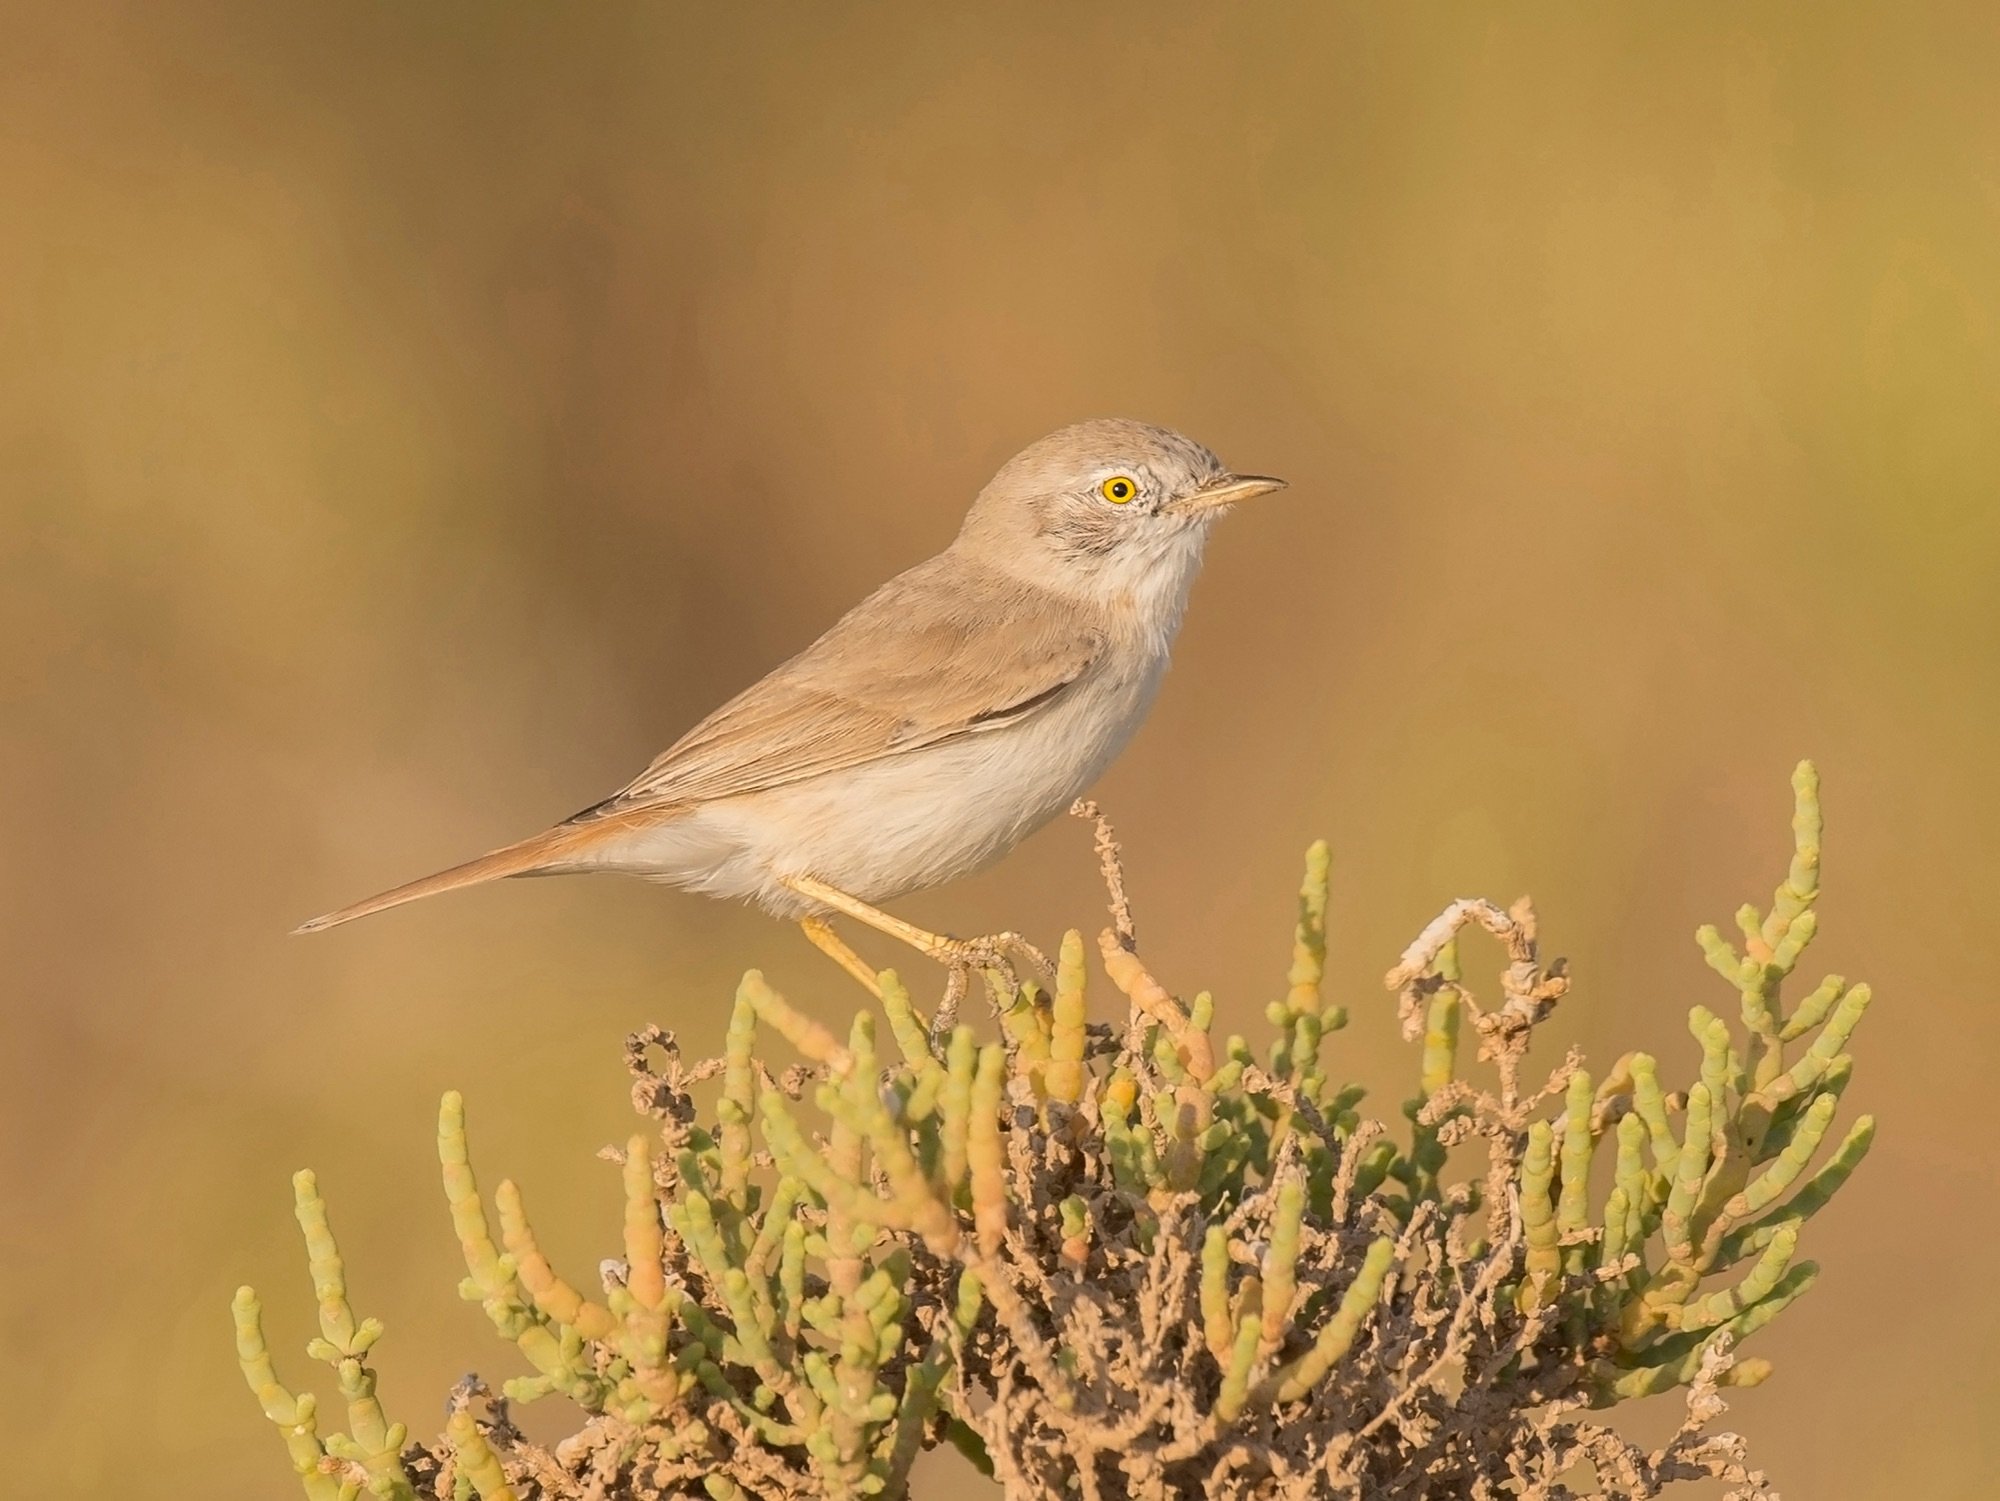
[[950, 714]]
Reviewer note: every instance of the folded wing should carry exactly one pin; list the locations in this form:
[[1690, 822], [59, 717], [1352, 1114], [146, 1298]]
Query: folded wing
[[926, 659]]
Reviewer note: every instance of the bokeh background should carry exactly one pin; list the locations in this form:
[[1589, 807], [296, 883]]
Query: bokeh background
[[413, 417]]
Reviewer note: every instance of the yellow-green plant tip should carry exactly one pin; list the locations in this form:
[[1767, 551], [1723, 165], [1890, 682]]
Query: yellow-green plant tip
[[1065, 1072], [468, 1209], [965, 1315], [551, 1294], [1216, 1331], [1649, 1381], [376, 1443], [1440, 1056], [1573, 1207], [1814, 1008], [985, 1159], [1713, 1035], [1690, 1169], [777, 1215], [1617, 1208], [1279, 1270], [1649, 1100], [1542, 1259], [1025, 1025], [797, 1157], [806, 1035], [1846, 1016], [1757, 1284], [1722, 958], [1243, 1348], [1190, 1049], [1811, 1196], [955, 1106], [911, 1030], [1764, 1189], [1746, 1373], [329, 1275], [912, 1202], [1808, 828], [645, 1276], [1798, 933], [1825, 1050], [1308, 971], [1630, 1173], [1075, 1216], [476, 1460], [1201, 1011], [1790, 1288], [861, 1041], [739, 1088], [254, 1357], [1446, 965], [1801, 885], [1291, 1383]]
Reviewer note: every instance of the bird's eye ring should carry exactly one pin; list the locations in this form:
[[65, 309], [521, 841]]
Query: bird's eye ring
[[1119, 489]]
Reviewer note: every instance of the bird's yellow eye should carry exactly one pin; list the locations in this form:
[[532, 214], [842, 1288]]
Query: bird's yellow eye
[[1118, 489]]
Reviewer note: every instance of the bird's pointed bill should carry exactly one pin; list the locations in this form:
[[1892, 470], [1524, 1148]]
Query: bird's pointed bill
[[1227, 491]]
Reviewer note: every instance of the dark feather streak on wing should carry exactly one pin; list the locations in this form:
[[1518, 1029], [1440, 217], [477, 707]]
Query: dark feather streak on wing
[[1008, 714]]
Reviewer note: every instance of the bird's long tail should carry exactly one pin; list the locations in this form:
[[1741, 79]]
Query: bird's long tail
[[537, 855]]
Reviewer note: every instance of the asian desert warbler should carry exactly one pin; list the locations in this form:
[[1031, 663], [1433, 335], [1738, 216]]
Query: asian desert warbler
[[947, 716]]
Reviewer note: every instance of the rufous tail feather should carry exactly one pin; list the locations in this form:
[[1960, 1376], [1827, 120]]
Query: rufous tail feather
[[525, 858]]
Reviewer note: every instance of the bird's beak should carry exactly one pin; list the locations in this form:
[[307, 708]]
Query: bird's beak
[[1226, 492]]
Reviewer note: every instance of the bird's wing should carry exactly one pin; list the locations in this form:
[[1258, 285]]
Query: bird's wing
[[928, 658]]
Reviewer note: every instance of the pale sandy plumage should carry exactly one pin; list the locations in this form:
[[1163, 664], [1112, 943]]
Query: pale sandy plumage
[[951, 713]]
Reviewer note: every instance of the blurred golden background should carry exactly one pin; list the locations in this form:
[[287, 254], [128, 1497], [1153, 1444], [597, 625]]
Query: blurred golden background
[[412, 418]]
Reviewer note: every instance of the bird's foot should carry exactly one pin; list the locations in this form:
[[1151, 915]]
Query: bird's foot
[[994, 951], [998, 954]]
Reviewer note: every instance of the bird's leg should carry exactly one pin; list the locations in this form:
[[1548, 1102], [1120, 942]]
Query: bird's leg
[[831, 944], [989, 952]]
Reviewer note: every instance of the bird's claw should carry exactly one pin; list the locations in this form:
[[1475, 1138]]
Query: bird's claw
[[999, 954]]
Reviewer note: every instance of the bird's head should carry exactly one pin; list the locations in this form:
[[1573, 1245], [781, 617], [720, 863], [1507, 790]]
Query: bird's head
[[1108, 509]]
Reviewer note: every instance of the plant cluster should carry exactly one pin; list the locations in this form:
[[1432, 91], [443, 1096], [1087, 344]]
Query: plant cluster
[[1139, 1260]]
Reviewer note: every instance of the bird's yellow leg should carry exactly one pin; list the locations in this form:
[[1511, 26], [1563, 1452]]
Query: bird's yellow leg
[[958, 953], [831, 944], [934, 944]]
